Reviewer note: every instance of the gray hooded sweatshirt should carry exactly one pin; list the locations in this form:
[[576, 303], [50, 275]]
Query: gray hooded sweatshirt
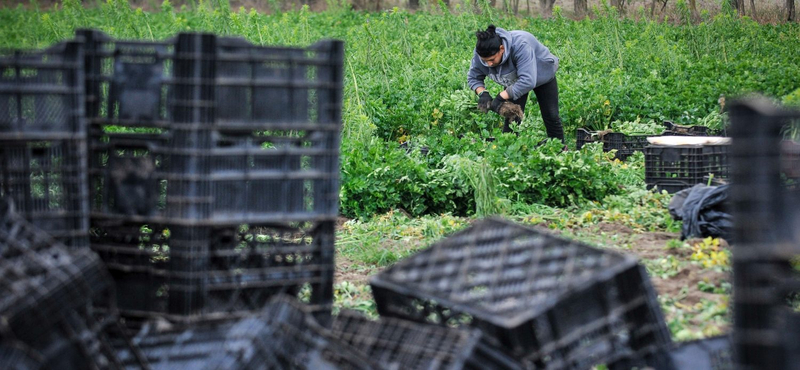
[[526, 64]]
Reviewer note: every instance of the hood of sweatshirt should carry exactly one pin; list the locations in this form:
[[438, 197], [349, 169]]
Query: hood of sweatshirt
[[505, 38]]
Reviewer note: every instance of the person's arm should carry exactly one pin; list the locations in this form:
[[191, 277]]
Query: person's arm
[[476, 76], [526, 73]]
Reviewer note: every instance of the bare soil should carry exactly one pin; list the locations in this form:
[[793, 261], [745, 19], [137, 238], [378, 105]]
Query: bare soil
[[347, 270], [652, 245]]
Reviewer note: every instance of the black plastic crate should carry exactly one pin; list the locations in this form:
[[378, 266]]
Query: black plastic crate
[[765, 207], [15, 355], [196, 271], [705, 354], [402, 344], [674, 168], [548, 301], [227, 132], [127, 82], [685, 130], [625, 145], [39, 278], [41, 93], [43, 139], [47, 182], [282, 336], [583, 136], [714, 353], [48, 294], [790, 158]]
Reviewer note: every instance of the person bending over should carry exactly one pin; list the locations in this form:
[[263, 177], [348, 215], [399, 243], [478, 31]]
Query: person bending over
[[520, 63]]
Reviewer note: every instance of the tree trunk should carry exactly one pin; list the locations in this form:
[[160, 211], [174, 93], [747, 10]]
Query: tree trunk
[[693, 8], [546, 7], [753, 9], [413, 4], [790, 11], [738, 5], [581, 8], [620, 5]]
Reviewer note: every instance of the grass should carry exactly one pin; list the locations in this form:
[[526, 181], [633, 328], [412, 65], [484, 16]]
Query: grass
[[390, 237]]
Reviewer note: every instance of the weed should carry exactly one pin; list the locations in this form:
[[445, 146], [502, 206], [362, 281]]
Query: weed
[[710, 254]]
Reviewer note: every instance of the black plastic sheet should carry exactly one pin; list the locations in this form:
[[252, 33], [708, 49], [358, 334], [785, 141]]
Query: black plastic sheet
[[704, 211]]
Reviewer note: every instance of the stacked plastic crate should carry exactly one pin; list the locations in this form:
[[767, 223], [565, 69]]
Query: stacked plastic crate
[[765, 269], [43, 139], [222, 189], [540, 300]]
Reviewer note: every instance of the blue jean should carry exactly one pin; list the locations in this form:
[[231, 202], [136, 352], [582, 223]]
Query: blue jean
[[547, 96]]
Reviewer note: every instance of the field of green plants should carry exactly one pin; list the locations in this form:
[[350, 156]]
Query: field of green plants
[[405, 82]]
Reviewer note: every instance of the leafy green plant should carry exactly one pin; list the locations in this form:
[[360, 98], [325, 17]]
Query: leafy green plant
[[358, 297], [674, 244], [710, 254], [478, 174], [637, 127], [664, 267], [703, 319], [379, 176], [715, 121], [792, 129], [708, 287]]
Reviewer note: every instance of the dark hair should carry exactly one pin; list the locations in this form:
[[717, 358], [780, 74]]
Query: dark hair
[[488, 42]]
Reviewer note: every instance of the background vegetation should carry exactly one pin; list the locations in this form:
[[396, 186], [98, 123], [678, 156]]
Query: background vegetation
[[405, 81]]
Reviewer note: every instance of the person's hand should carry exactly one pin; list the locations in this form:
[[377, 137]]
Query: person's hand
[[496, 103], [485, 101]]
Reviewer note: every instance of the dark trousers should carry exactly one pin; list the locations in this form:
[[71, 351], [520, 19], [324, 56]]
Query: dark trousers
[[547, 96]]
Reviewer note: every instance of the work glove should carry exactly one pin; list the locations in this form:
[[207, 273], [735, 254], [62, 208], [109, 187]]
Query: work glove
[[497, 103], [485, 101]]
